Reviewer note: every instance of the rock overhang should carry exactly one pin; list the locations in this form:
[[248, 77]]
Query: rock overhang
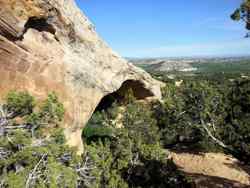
[[50, 45]]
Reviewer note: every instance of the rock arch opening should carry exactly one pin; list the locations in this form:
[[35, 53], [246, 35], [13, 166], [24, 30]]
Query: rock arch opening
[[139, 92], [40, 24]]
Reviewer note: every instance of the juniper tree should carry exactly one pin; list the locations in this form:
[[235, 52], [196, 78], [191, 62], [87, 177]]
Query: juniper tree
[[243, 13]]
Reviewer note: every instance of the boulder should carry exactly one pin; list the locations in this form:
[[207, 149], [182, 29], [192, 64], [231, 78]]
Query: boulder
[[50, 45]]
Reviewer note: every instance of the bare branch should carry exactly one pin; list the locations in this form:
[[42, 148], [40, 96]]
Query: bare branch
[[4, 154], [2, 184], [220, 143], [84, 171], [35, 173], [16, 127], [246, 20]]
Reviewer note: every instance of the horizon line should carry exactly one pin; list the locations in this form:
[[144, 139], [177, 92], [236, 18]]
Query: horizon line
[[194, 56]]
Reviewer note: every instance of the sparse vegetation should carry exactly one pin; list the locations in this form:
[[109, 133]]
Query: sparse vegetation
[[28, 159], [131, 156], [206, 113], [33, 152], [203, 114]]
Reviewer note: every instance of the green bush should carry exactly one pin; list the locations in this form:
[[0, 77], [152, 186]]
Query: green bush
[[124, 151], [20, 103], [33, 119], [97, 129], [58, 136], [219, 101], [52, 111], [138, 120], [50, 161]]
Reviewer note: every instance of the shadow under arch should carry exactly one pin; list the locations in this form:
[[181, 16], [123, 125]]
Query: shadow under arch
[[138, 88]]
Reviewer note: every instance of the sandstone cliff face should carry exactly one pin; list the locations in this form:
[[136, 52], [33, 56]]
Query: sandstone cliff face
[[49, 45]]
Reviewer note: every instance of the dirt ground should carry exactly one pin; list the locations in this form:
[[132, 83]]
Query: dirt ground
[[213, 170]]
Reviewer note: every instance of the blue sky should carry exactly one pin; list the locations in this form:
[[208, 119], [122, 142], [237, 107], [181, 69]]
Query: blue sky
[[168, 28]]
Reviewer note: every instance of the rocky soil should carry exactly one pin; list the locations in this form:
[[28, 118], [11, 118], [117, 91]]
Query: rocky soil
[[213, 170]]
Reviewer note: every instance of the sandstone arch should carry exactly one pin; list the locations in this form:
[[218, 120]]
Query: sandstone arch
[[57, 49]]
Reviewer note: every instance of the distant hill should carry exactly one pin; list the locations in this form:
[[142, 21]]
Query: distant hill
[[222, 64]]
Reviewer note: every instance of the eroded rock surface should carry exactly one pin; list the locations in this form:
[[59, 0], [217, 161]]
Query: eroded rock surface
[[50, 45]]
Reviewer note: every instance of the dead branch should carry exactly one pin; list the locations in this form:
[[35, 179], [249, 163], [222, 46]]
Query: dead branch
[[4, 154], [220, 143], [180, 114], [2, 184], [84, 171], [16, 127], [35, 173], [246, 20], [3, 116], [65, 158], [135, 160], [4, 112], [38, 143], [9, 140]]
